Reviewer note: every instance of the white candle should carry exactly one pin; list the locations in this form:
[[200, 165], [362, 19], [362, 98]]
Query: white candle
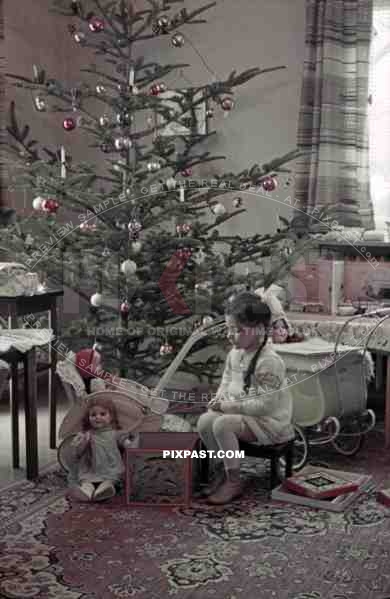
[[63, 163], [277, 220], [131, 76], [182, 198]]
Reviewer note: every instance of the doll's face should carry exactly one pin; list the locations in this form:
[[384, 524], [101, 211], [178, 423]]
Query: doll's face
[[244, 337], [99, 417]]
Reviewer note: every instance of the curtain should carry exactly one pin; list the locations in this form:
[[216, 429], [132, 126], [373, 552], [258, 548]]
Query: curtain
[[332, 176]]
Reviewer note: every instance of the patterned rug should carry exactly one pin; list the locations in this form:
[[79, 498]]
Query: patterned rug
[[254, 548]]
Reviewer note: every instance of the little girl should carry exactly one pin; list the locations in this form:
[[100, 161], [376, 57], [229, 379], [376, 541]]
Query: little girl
[[96, 462], [252, 402]]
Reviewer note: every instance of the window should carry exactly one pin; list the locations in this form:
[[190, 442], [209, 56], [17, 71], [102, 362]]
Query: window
[[379, 114]]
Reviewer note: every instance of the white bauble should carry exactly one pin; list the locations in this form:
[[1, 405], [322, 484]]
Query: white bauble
[[128, 267], [171, 183], [38, 203], [136, 247], [96, 300], [219, 209]]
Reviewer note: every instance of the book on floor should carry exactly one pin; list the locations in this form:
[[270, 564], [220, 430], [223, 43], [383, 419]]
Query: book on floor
[[383, 496], [333, 504], [323, 483]]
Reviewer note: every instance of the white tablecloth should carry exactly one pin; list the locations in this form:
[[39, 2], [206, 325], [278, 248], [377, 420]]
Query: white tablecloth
[[24, 339], [355, 333]]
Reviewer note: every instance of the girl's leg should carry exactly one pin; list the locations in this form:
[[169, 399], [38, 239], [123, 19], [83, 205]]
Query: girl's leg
[[205, 430], [228, 429]]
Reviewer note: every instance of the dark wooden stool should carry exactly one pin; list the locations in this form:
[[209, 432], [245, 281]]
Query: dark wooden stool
[[265, 452]]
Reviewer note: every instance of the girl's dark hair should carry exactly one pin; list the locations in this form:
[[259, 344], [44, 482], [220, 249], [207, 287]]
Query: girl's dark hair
[[106, 403], [250, 311]]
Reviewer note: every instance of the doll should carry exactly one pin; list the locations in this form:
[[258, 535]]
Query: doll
[[94, 459]]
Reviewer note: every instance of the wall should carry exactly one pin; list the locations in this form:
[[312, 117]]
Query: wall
[[238, 35]]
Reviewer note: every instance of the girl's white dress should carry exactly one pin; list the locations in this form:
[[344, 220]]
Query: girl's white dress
[[267, 407]]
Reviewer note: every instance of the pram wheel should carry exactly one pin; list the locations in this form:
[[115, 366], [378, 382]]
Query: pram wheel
[[349, 440], [300, 451]]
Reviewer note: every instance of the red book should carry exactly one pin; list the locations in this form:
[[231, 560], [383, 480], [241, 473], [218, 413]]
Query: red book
[[321, 483]]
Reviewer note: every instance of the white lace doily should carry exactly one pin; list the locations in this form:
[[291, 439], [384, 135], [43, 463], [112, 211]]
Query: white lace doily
[[24, 339]]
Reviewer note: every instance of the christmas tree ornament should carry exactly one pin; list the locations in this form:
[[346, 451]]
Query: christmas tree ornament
[[153, 166], [40, 104], [50, 205], [69, 124], [177, 40], [237, 202], [37, 203], [125, 308], [136, 247], [96, 24], [170, 183], [122, 143], [166, 349], [120, 165], [207, 320], [133, 90], [104, 120], [184, 253], [88, 362], [97, 347], [186, 172], [106, 252], [269, 184], [100, 89], [161, 26], [128, 268], [96, 300], [79, 37], [219, 209], [134, 228], [186, 228], [124, 118], [86, 226], [227, 104], [209, 113]]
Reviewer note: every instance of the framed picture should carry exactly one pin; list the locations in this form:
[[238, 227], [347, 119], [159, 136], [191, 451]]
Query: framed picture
[[191, 122]]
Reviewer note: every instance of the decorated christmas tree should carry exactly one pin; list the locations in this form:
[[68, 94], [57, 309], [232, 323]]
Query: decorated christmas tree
[[135, 228]]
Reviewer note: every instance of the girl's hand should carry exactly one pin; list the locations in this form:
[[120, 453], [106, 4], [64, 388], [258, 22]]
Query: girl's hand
[[81, 438], [215, 405]]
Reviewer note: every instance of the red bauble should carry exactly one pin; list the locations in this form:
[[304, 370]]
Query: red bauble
[[51, 206], [88, 362], [96, 24], [186, 172], [269, 184], [125, 308], [227, 104], [69, 124]]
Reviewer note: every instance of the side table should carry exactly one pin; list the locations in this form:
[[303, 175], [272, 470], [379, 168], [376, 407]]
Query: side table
[[13, 307], [140, 478], [14, 357]]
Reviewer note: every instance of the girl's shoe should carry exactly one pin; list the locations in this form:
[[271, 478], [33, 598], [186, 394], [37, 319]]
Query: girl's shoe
[[104, 491], [218, 479], [83, 492], [226, 493]]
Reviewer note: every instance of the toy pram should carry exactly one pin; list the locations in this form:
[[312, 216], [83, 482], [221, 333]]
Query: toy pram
[[329, 383]]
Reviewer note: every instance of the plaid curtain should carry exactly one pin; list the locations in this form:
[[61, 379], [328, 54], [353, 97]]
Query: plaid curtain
[[333, 175]]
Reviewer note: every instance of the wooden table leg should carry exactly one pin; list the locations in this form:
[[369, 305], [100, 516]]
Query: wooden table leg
[[387, 404], [14, 397], [30, 408], [53, 324]]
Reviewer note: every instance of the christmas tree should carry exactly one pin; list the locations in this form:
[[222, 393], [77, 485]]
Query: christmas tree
[[136, 232]]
